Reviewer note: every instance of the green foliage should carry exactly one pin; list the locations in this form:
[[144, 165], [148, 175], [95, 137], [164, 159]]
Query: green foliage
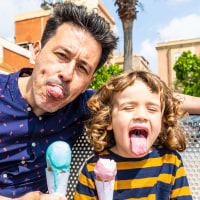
[[187, 69], [103, 75]]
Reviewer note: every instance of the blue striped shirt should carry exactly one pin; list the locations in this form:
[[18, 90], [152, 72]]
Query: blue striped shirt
[[159, 175]]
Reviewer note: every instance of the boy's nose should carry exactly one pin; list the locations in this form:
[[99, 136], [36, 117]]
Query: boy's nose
[[140, 114]]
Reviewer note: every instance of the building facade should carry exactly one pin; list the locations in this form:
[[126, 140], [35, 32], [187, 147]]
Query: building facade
[[12, 57], [138, 62], [169, 52]]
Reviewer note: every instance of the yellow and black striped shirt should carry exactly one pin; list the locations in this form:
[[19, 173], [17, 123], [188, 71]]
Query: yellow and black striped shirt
[[159, 175]]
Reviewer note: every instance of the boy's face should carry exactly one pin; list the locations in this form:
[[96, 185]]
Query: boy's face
[[136, 120]]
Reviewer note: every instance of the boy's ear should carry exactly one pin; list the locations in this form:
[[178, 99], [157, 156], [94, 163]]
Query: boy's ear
[[109, 127]]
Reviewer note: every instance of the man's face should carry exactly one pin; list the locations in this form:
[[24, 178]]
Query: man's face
[[64, 67]]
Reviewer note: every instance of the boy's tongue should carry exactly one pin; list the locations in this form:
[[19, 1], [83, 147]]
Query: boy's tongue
[[55, 91], [138, 144]]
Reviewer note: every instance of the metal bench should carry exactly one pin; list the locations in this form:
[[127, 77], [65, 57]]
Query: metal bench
[[80, 152], [191, 156]]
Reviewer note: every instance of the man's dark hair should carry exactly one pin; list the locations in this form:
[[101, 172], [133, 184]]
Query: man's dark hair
[[97, 26]]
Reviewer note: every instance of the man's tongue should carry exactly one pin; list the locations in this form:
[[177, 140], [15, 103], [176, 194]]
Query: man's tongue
[[138, 144], [55, 91]]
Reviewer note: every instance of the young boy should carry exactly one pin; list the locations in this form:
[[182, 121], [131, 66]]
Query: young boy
[[134, 121]]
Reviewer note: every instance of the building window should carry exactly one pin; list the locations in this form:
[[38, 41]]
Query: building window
[[26, 45], [176, 56]]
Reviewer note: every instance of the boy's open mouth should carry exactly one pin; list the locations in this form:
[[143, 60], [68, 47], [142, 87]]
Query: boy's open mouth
[[138, 139], [138, 132]]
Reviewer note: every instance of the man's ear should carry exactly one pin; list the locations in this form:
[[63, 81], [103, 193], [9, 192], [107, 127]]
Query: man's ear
[[36, 49], [92, 78]]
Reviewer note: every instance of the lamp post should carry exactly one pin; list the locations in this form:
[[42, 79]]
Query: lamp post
[[50, 4]]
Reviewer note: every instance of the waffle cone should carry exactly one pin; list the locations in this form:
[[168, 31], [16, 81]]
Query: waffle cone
[[105, 189], [62, 180]]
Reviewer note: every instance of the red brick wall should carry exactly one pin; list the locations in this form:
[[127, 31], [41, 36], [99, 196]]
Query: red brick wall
[[30, 30], [15, 60]]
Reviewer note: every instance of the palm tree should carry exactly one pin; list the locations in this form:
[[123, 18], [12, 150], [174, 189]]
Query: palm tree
[[127, 13]]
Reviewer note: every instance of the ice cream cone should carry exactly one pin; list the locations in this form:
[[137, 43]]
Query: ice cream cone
[[57, 184], [105, 189]]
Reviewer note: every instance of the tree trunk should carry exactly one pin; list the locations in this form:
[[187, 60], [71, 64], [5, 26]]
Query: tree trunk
[[127, 28]]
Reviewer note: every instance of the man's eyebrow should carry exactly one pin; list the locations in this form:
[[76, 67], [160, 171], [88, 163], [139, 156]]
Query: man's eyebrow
[[66, 50]]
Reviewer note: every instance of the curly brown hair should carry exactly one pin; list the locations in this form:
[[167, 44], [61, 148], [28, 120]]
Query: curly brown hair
[[171, 135]]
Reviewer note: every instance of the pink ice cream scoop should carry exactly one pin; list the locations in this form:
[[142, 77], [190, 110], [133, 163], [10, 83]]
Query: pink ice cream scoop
[[105, 169]]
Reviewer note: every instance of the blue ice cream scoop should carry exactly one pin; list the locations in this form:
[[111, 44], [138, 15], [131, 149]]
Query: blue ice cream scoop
[[58, 157]]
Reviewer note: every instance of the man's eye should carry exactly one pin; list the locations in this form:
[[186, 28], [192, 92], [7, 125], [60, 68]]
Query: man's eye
[[82, 68], [61, 55]]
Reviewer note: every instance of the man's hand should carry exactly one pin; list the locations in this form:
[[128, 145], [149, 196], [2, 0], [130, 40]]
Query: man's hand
[[51, 197], [40, 196]]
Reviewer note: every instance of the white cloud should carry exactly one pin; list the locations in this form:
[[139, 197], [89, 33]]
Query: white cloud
[[9, 9], [177, 1], [181, 28], [178, 29], [149, 52]]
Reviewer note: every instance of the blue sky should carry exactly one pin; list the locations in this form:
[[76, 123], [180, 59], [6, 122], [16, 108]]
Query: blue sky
[[159, 21]]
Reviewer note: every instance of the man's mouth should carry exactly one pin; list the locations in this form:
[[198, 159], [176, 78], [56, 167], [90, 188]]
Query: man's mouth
[[56, 92], [138, 140]]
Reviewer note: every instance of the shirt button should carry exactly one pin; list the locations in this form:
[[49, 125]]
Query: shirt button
[[5, 175], [23, 162], [40, 118], [33, 144], [29, 109]]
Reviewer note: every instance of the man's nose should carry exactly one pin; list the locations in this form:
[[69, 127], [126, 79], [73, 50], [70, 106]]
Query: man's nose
[[67, 71]]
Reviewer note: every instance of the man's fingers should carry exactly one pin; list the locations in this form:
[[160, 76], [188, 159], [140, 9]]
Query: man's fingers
[[51, 197]]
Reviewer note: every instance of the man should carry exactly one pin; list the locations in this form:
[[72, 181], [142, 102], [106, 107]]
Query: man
[[48, 103]]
